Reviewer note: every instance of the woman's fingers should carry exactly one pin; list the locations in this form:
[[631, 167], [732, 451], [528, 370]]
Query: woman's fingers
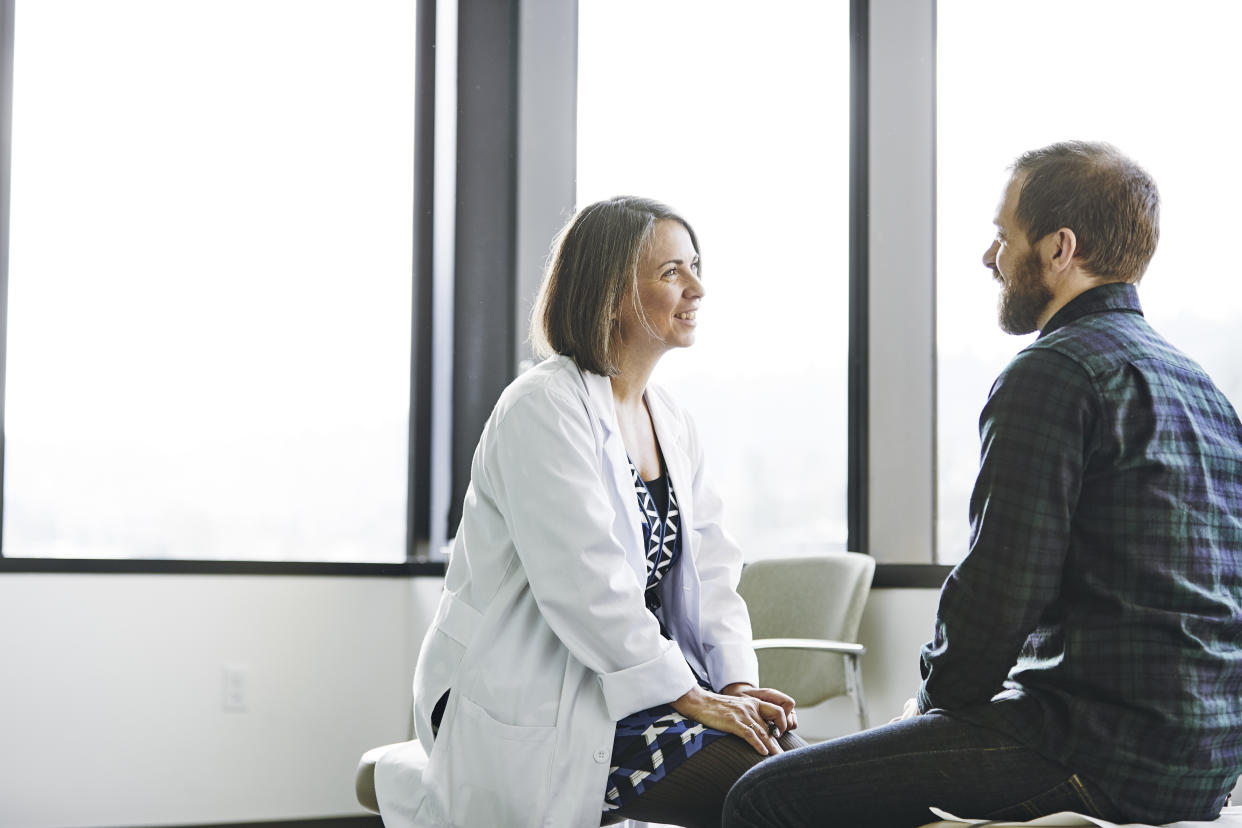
[[750, 723], [769, 706], [755, 734], [770, 725], [747, 728], [786, 703], [766, 736], [756, 721], [775, 717], [775, 697]]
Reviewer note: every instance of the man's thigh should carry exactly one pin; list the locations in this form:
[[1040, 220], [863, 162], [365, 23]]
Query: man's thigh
[[887, 777]]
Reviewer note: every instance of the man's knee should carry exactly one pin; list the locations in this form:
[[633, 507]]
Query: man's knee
[[743, 806]]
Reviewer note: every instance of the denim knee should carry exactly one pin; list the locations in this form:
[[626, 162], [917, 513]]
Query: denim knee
[[743, 807]]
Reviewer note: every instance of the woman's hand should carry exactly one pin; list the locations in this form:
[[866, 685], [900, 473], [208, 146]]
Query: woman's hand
[[738, 712]]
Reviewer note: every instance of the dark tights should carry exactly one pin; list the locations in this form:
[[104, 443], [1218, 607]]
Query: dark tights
[[694, 793]]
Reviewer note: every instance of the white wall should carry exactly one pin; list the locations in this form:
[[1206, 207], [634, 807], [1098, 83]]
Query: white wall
[[111, 697], [896, 623]]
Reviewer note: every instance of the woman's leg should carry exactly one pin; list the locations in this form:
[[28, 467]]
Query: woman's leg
[[693, 794]]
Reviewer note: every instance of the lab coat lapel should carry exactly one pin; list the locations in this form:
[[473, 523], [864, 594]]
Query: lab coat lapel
[[670, 433], [599, 392]]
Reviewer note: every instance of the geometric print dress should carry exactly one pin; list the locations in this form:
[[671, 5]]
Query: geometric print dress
[[649, 744]]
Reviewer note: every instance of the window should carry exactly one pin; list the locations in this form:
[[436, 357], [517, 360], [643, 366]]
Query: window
[[209, 280], [739, 119], [1153, 78]]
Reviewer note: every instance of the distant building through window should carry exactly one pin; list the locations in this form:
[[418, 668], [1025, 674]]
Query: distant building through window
[[208, 321], [1157, 80], [739, 119]]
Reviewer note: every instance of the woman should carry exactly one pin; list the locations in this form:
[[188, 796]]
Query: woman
[[590, 655]]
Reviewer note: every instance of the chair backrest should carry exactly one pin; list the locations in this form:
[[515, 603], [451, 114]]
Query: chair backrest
[[818, 596]]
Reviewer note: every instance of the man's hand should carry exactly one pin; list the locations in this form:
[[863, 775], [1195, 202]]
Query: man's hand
[[908, 710]]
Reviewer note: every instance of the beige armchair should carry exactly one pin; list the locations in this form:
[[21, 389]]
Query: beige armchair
[[804, 615]]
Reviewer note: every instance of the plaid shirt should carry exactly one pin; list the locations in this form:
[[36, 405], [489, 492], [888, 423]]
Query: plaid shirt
[[1098, 615]]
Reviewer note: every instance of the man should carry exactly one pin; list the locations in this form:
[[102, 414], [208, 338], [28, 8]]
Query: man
[[1088, 650]]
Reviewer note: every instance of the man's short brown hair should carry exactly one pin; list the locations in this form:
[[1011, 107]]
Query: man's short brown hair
[[592, 271], [1110, 203]]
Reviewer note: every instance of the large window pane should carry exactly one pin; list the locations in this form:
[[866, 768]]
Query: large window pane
[[209, 279], [1156, 79], [738, 117]]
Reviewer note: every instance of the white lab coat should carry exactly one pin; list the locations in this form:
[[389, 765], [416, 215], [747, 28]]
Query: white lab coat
[[542, 631]]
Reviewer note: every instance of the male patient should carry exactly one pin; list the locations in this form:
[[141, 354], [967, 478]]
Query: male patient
[[1088, 650]]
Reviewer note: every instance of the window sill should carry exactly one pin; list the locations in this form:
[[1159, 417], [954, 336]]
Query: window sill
[[887, 576], [910, 576], [183, 567]]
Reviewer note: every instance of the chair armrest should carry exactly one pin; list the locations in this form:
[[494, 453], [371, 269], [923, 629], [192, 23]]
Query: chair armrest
[[820, 644], [364, 776]]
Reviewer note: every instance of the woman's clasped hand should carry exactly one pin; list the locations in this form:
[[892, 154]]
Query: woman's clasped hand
[[759, 715]]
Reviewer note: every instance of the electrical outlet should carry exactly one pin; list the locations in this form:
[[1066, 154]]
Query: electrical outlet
[[234, 698]]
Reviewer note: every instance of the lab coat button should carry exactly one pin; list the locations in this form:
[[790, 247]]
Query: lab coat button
[[601, 756]]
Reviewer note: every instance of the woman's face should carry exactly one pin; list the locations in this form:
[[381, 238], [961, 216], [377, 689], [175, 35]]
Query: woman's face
[[669, 291]]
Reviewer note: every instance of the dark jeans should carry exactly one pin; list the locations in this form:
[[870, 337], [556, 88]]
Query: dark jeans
[[888, 776]]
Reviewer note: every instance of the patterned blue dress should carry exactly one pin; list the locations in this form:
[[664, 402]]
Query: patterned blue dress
[[649, 744]]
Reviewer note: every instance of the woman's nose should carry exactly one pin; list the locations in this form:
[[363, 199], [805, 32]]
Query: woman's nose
[[695, 287]]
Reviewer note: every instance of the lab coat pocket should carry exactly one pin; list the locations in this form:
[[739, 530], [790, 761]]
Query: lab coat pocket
[[501, 773]]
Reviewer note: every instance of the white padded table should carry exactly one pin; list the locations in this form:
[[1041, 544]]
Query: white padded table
[[1230, 817]]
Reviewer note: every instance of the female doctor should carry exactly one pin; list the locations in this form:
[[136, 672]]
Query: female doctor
[[590, 659]]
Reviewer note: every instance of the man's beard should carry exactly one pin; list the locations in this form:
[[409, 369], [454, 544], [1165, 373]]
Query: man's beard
[[1024, 297]]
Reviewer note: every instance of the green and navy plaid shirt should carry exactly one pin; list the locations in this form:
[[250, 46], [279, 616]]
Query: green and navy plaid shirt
[[1098, 615]]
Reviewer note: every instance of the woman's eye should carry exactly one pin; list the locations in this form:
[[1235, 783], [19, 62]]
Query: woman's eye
[[671, 273]]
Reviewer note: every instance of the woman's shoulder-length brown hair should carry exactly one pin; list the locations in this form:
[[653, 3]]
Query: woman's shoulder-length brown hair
[[592, 270]]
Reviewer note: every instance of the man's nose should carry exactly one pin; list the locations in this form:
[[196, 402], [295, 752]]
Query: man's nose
[[989, 255]]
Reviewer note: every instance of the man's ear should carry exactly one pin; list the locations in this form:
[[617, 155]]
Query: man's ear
[[1059, 249]]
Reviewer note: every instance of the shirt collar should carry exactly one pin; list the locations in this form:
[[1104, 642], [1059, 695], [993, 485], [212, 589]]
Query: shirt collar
[[1115, 296]]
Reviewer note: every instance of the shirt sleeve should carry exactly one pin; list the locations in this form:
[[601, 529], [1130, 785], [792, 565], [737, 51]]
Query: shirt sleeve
[[1035, 431]]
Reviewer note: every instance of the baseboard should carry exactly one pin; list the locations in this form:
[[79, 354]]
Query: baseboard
[[326, 822]]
